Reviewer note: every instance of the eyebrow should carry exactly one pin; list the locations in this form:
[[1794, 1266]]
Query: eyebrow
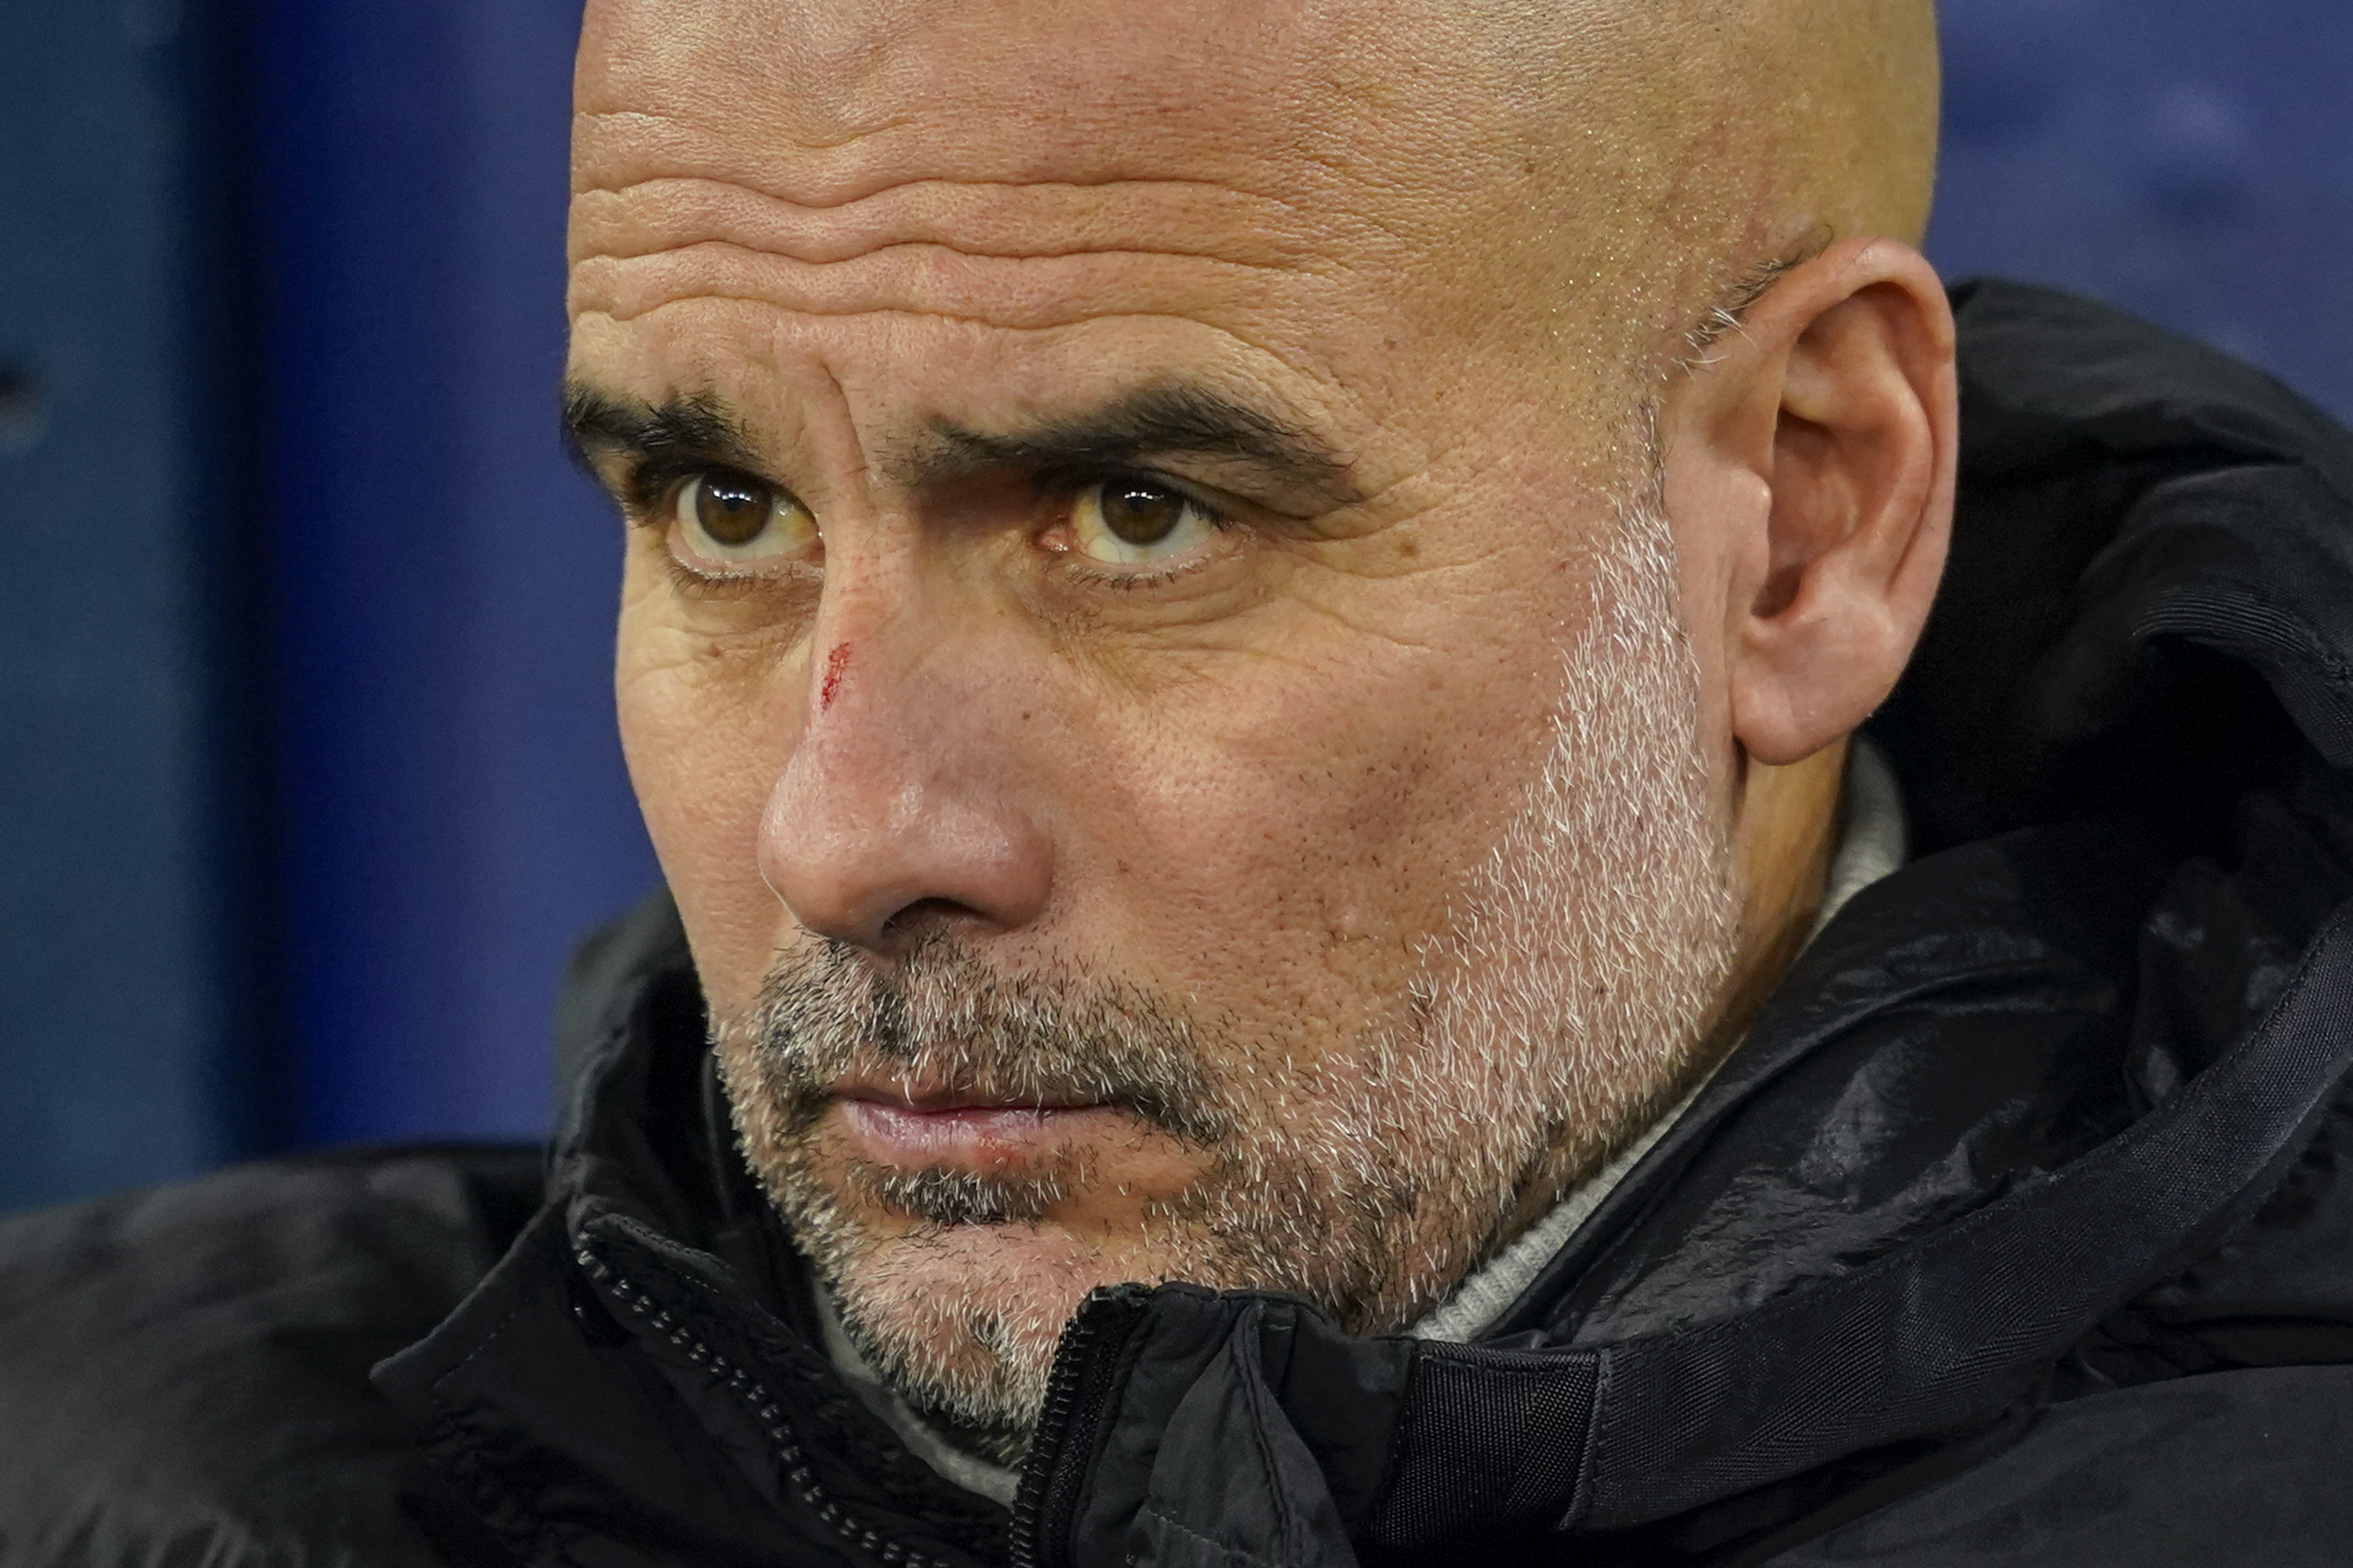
[[1158, 421], [699, 427]]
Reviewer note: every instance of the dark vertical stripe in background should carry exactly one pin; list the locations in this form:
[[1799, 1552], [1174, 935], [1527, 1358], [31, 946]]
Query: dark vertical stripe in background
[[136, 1041], [307, 777], [455, 811]]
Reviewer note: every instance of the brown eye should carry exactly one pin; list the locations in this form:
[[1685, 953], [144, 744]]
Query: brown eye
[[733, 510], [1135, 522], [1141, 514], [726, 518]]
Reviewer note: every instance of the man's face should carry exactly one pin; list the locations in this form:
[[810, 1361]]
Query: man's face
[[1145, 654]]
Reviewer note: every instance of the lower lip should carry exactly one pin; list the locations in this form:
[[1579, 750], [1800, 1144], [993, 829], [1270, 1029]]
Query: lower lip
[[968, 1134]]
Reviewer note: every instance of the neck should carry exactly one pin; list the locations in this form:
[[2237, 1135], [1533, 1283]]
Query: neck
[[1785, 831]]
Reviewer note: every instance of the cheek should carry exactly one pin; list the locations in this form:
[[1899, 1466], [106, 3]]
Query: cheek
[[1291, 849], [703, 744]]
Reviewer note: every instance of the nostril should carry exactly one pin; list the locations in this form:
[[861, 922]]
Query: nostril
[[925, 917]]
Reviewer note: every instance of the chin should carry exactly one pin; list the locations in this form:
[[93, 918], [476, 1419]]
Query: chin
[[995, 1260], [962, 1319]]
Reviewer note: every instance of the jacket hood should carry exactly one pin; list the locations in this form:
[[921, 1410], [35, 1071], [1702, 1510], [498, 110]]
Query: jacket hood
[[2150, 601], [2008, 1090]]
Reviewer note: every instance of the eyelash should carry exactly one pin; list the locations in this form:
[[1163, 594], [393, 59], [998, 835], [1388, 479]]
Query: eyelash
[[710, 584], [1135, 581]]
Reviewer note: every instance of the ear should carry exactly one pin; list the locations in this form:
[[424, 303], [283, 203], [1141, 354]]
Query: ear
[[1811, 474]]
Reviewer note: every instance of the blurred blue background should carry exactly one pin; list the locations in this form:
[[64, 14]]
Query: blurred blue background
[[307, 774]]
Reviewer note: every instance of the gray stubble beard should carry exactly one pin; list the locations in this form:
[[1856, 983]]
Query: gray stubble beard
[[1565, 1005]]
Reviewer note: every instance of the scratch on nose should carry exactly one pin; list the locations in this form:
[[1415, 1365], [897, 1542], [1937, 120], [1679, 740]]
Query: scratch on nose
[[836, 663]]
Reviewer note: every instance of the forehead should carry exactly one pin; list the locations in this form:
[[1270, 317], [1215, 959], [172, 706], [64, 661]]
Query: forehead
[[832, 100], [1066, 89], [1266, 180]]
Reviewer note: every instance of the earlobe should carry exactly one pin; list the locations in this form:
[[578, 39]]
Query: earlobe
[[1854, 370]]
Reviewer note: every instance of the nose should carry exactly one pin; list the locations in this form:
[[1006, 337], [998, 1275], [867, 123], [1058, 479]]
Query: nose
[[897, 809]]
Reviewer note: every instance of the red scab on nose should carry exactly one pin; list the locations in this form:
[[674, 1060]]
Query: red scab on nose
[[835, 663]]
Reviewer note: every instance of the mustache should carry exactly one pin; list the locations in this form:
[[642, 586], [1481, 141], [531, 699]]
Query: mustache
[[944, 1017]]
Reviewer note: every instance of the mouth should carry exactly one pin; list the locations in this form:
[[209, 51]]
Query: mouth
[[917, 1125]]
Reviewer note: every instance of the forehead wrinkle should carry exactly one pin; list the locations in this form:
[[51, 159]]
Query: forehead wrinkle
[[1041, 291], [1250, 348], [1286, 208], [1005, 222], [1054, 92], [1266, 112], [601, 163], [1248, 345]]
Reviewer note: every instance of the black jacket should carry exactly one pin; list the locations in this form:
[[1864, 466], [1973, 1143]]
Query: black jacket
[[2015, 1231]]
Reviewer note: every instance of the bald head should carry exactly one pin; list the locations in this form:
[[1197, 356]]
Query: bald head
[[1588, 178], [1791, 114], [1688, 147]]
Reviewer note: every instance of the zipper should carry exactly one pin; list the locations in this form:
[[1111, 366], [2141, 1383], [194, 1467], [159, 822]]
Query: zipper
[[1079, 1392], [764, 1410]]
